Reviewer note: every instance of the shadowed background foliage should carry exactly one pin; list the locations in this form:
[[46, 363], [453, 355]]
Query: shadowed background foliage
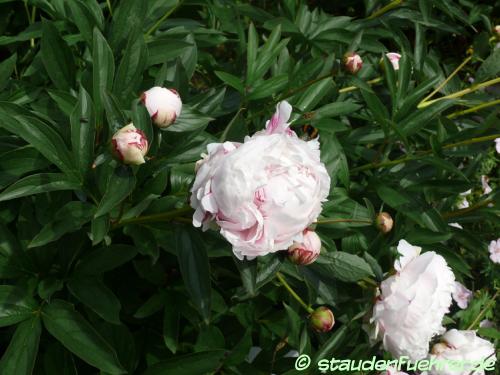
[[101, 269]]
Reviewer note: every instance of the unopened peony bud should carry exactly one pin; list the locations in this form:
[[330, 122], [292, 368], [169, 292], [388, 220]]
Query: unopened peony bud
[[496, 31], [353, 62], [164, 105], [130, 145], [322, 319], [394, 58], [307, 251], [384, 222]]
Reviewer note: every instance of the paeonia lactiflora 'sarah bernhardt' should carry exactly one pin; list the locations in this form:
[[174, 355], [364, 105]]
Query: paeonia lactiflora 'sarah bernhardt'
[[262, 193]]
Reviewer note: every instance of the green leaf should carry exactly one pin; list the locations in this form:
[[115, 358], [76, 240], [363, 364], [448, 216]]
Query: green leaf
[[105, 259], [330, 345], [57, 57], [252, 47], [20, 356], [335, 160], [264, 89], [82, 121], [164, 50], [248, 272], [6, 68], [83, 18], [37, 133], [127, 20], [120, 185], [115, 116], [194, 267], [491, 333], [71, 217], [92, 292], [103, 70], [391, 196], [38, 183], [420, 118], [490, 67], [189, 120], [171, 318], [16, 305], [132, 65], [343, 266], [336, 109], [154, 304], [189, 364], [79, 337], [231, 80], [15, 163]]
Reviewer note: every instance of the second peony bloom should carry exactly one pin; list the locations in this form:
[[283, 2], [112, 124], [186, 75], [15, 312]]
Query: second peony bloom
[[264, 192]]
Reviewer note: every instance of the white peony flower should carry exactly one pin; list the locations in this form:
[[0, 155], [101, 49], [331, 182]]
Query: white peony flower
[[497, 145], [264, 192], [464, 203], [486, 187], [455, 225], [494, 249], [130, 145], [394, 59], [164, 105], [461, 295], [412, 303], [462, 347]]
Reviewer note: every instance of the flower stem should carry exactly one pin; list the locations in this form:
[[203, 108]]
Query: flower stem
[[385, 9], [334, 221], [442, 84], [423, 153], [165, 216], [463, 211], [460, 93], [483, 311], [473, 109], [283, 282], [352, 88], [108, 2], [163, 18]]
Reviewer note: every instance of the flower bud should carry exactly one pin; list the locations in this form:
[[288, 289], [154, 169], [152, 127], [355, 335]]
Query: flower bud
[[164, 105], [322, 319], [394, 58], [130, 145], [353, 62], [384, 222], [307, 251], [496, 31]]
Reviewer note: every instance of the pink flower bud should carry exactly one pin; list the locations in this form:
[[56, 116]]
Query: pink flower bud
[[322, 319], [130, 145], [394, 59], [384, 222], [164, 105], [307, 251], [353, 62]]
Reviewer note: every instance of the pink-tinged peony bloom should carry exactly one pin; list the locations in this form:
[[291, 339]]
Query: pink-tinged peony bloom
[[394, 59], [461, 295], [494, 250], [322, 319], [353, 62], [465, 348], [412, 303], [164, 105], [486, 187], [497, 145], [130, 145], [264, 192], [305, 252]]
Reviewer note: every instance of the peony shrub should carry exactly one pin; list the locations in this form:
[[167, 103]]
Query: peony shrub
[[236, 187]]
